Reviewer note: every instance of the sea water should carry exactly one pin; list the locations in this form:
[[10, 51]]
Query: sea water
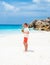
[[10, 28]]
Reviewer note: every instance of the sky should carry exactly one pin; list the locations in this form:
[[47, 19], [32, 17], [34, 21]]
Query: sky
[[21, 11]]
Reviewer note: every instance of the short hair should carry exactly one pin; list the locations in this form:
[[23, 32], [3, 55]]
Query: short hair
[[26, 24]]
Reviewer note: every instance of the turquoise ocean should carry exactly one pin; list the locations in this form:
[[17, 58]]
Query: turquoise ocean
[[10, 28]]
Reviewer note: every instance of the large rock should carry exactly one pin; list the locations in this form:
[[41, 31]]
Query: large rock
[[32, 24], [41, 24]]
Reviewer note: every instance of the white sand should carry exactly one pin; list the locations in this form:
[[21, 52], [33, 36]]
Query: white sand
[[12, 49]]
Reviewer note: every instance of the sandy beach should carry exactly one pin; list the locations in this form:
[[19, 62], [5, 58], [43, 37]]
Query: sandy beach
[[12, 49]]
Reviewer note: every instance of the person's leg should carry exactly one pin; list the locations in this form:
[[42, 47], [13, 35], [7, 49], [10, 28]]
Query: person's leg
[[26, 47]]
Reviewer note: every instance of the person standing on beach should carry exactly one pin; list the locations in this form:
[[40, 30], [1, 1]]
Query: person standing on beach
[[26, 34]]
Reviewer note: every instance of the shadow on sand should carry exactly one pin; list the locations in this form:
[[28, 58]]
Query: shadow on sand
[[30, 51]]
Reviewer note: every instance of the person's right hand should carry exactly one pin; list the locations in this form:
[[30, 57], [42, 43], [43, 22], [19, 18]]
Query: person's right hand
[[22, 30]]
